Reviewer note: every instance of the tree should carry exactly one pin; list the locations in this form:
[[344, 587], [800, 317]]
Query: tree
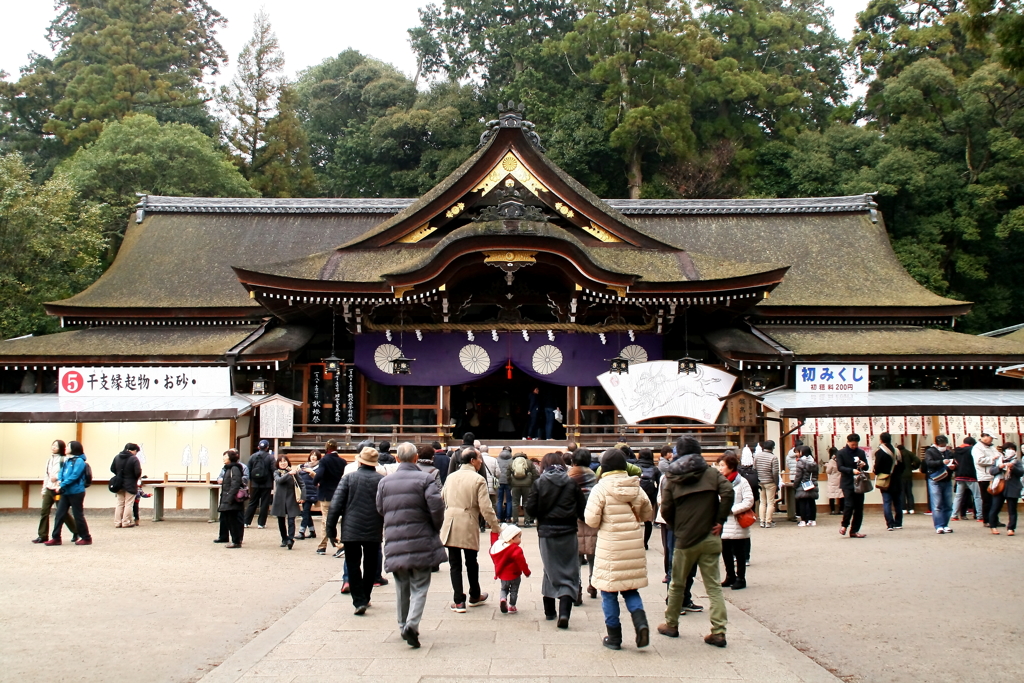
[[282, 167], [114, 58], [139, 154], [640, 52], [50, 246], [250, 97]]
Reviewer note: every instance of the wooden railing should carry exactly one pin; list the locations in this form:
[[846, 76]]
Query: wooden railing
[[653, 434], [308, 436]]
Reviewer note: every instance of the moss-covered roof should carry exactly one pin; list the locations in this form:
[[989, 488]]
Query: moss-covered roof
[[824, 343], [133, 342], [836, 259]]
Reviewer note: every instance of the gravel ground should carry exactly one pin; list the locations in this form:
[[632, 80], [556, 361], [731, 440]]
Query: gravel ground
[[895, 606], [159, 602], [162, 602]]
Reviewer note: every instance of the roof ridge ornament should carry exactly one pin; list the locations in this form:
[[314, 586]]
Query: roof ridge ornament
[[510, 115]]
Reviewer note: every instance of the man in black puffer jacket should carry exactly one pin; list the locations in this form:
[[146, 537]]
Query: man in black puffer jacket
[[362, 526], [413, 513]]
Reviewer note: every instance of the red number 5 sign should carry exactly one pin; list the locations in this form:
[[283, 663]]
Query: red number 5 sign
[[72, 381]]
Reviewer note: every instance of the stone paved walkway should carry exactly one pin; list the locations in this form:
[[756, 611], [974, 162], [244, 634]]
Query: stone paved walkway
[[322, 640]]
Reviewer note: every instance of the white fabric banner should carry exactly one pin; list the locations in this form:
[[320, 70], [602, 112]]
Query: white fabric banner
[[144, 382]]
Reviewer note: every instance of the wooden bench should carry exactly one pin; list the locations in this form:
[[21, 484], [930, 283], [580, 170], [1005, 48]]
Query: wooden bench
[[160, 487]]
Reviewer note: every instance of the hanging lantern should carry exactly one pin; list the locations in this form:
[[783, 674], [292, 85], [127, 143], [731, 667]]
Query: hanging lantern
[[687, 366], [259, 386], [332, 364], [757, 383], [941, 384], [619, 365], [402, 365]]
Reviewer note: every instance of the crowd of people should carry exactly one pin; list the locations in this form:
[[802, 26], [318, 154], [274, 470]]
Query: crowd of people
[[409, 512]]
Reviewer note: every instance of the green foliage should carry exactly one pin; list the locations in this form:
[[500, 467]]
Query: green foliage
[[50, 246], [282, 167], [114, 58], [139, 154], [250, 98]]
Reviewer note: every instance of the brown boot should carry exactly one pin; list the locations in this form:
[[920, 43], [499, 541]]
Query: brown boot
[[668, 630], [716, 639]]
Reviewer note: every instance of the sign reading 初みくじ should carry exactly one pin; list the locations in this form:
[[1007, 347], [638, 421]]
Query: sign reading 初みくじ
[[144, 381], [832, 379]]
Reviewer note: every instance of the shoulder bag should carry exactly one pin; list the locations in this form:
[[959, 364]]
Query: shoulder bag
[[300, 492], [746, 518], [882, 479], [243, 491], [997, 485]]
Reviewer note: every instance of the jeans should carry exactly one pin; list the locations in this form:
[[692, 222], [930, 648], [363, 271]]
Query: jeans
[[362, 560], [941, 494], [75, 502], [123, 509], [705, 555], [766, 507], [549, 423], [510, 590], [472, 570], [853, 510], [286, 525], [972, 486], [891, 506], [908, 493], [411, 587], [735, 553], [44, 515], [504, 509], [1011, 512], [260, 498], [668, 542], [307, 514], [534, 429], [610, 605]]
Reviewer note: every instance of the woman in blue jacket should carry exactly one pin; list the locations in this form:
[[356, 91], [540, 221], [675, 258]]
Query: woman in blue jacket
[[71, 487]]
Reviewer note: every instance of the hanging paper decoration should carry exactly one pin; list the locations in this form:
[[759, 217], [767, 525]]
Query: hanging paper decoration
[[915, 424], [862, 426], [1008, 425], [204, 456], [186, 456], [990, 425], [972, 425], [141, 455], [879, 425]]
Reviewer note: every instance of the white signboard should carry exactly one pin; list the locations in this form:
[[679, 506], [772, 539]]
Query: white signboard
[[144, 382], [656, 389], [277, 420], [828, 378]]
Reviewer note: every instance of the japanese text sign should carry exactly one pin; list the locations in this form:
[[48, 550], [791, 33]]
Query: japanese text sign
[[828, 378], [144, 382]]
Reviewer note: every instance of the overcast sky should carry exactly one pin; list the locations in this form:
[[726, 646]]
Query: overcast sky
[[308, 30]]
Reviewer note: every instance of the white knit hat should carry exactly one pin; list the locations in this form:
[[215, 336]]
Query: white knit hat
[[507, 533]]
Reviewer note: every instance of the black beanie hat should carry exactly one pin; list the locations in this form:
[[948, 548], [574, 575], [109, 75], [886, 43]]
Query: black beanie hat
[[613, 459]]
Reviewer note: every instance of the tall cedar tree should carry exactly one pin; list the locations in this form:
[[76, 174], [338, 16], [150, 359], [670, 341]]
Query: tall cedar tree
[[282, 167], [250, 98], [113, 58]]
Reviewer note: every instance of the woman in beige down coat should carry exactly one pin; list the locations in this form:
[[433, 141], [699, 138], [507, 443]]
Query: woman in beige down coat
[[618, 508], [835, 491], [465, 501]]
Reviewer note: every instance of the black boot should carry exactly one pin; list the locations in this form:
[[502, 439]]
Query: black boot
[[643, 631], [730, 579], [579, 597], [613, 641], [564, 610], [549, 608]]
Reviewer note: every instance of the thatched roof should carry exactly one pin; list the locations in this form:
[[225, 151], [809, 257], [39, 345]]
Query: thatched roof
[[895, 343]]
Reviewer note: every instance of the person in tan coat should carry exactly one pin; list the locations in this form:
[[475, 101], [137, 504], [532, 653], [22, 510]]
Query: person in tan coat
[[618, 508], [465, 501]]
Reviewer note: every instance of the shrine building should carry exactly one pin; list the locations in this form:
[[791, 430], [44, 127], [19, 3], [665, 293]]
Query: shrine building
[[506, 286]]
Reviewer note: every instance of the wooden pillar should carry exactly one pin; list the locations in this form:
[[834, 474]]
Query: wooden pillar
[[24, 495], [180, 498]]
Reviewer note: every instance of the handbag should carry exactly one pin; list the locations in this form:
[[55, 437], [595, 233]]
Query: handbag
[[862, 483], [746, 518], [807, 485], [300, 493], [997, 485]]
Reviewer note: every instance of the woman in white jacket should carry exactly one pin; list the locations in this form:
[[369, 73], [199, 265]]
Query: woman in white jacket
[[735, 538]]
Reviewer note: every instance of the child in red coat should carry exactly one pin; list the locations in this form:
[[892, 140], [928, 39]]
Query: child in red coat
[[509, 565]]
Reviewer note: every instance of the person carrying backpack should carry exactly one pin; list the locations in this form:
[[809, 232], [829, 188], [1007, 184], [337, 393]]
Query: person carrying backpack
[[261, 482], [73, 479], [126, 469], [521, 476], [650, 476]]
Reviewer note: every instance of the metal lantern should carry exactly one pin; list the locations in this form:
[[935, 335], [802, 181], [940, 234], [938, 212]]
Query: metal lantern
[[940, 384], [260, 386], [332, 364], [757, 383], [402, 365], [687, 366], [619, 365]]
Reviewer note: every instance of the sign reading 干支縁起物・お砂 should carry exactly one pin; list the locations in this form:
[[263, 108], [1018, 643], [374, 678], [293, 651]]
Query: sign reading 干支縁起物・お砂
[[657, 389], [143, 381], [830, 378]]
